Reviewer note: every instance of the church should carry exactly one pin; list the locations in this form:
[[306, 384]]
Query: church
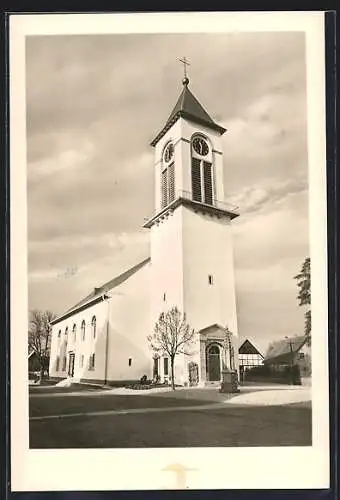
[[103, 338]]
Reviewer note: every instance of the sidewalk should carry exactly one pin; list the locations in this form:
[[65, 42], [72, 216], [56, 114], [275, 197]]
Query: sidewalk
[[273, 397]]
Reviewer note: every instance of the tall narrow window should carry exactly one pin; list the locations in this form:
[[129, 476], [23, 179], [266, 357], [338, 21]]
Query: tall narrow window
[[94, 326], [171, 180], [208, 187], [74, 331], [66, 333], [92, 362], [196, 179], [83, 330], [201, 171], [57, 365], [164, 188], [168, 175], [166, 366]]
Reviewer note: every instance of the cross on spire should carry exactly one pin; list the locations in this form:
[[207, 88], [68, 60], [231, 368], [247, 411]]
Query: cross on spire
[[185, 64]]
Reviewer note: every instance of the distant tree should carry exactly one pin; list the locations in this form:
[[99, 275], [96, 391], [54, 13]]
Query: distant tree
[[39, 337], [270, 348], [172, 336], [304, 295]]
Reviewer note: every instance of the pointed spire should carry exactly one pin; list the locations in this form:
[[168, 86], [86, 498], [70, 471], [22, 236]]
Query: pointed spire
[[187, 106]]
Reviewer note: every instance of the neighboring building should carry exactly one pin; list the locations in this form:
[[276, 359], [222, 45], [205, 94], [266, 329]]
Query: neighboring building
[[104, 337], [33, 363], [290, 351], [249, 356]]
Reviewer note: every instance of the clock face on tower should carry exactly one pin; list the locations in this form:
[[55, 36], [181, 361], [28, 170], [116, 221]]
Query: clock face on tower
[[200, 146], [168, 152]]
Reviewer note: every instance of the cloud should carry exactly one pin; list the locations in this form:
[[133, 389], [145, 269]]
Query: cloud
[[253, 198], [90, 167]]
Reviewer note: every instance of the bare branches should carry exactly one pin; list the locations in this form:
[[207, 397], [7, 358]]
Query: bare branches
[[172, 335], [39, 334]]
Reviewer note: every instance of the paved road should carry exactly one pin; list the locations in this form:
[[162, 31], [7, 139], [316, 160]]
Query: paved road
[[163, 420]]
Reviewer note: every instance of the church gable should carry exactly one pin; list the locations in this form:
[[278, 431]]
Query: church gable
[[98, 292], [215, 330]]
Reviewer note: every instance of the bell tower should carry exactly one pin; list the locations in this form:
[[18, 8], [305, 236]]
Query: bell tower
[[191, 242]]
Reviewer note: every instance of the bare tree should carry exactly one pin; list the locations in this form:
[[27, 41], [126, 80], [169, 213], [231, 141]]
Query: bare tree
[[39, 337], [172, 336]]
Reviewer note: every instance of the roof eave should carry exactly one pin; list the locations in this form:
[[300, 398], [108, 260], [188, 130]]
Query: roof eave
[[188, 116], [80, 308]]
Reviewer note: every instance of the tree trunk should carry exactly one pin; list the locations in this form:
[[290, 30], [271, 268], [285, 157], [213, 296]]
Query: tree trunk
[[172, 359], [41, 361]]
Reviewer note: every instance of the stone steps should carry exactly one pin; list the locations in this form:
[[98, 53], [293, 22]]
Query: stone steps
[[212, 384]]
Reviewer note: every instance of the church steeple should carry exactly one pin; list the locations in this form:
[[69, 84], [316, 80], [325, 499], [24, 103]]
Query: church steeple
[[188, 107], [190, 232]]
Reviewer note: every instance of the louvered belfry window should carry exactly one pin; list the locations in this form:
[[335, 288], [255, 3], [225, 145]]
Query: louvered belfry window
[[171, 182], [208, 187], [196, 179], [168, 175], [164, 188], [202, 172]]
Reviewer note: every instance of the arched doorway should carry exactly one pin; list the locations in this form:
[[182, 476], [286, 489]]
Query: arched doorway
[[213, 363]]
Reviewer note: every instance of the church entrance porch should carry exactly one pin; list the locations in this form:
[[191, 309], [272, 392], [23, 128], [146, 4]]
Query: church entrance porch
[[217, 353]]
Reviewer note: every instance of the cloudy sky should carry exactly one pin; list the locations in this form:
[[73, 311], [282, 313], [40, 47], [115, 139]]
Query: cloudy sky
[[93, 105]]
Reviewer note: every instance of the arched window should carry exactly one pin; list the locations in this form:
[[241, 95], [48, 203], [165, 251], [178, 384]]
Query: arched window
[[74, 331], [201, 170], [59, 333], [168, 175], [66, 333], [214, 350], [83, 330], [94, 326]]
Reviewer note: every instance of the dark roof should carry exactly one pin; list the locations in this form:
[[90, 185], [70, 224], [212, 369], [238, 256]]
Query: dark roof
[[97, 292], [188, 107], [280, 352], [248, 348]]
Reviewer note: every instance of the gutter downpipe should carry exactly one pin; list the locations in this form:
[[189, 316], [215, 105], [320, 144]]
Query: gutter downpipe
[[106, 298]]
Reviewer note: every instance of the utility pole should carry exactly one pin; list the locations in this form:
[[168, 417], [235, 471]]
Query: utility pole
[[291, 360]]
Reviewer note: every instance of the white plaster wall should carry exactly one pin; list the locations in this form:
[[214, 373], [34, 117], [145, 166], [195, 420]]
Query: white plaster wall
[[207, 249], [167, 273], [86, 348], [167, 264], [129, 310]]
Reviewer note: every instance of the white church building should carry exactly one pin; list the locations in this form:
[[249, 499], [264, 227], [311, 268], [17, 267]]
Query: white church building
[[103, 338]]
